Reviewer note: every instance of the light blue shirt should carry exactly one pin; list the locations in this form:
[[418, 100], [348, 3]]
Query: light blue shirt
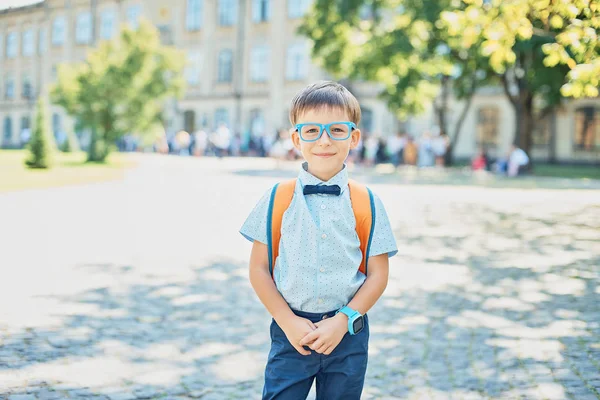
[[319, 254]]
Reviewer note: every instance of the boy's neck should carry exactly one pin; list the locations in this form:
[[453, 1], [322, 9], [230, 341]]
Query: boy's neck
[[324, 176]]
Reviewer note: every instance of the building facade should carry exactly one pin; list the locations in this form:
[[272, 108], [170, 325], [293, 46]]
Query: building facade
[[245, 63]]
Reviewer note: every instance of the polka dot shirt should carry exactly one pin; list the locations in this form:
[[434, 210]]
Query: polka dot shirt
[[319, 254]]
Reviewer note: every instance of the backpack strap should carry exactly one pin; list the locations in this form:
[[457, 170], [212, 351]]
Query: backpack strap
[[281, 198], [363, 206]]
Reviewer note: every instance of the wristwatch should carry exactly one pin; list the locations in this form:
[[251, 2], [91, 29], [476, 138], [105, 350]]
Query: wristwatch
[[355, 320]]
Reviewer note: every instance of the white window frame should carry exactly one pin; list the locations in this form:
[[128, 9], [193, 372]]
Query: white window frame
[[297, 62], [83, 28], [259, 64], [261, 10], [42, 41], [227, 10], [193, 15], [220, 64], [298, 8], [107, 24], [194, 68], [28, 43], [59, 30], [134, 12], [9, 88], [12, 44]]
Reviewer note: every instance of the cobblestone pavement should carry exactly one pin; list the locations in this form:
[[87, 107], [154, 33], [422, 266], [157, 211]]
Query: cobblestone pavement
[[138, 289]]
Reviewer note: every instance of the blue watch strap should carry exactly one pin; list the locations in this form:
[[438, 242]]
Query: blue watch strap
[[352, 316]]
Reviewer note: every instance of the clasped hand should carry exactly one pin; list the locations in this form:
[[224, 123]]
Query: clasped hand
[[322, 337]]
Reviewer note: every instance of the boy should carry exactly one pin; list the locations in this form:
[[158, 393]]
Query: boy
[[316, 294]]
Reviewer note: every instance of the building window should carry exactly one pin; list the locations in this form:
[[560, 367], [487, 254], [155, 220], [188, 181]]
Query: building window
[[9, 89], [83, 28], [28, 48], [366, 120], [193, 17], [59, 31], [540, 136], [192, 71], [27, 92], [296, 62], [7, 134], [107, 24], [56, 124], [261, 10], [227, 12], [587, 128], [11, 45], [42, 45], [225, 69], [298, 8], [487, 126], [259, 64], [221, 117], [257, 122], [133, 16]]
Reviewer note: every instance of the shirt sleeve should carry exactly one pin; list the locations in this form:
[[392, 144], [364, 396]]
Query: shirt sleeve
[[383, 240], [255, 227]]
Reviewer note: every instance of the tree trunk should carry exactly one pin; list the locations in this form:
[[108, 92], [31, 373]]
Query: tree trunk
[[524, 122], [457, 129], [98, 150]]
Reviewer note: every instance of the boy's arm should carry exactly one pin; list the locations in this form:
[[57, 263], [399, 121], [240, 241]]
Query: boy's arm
[[331, 331], [293, 326], [373, 287]]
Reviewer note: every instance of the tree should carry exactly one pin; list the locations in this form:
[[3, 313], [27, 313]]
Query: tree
[[121, 87], [402, 46], [541, 49], [42, 145], [421, 51], [71, 143]]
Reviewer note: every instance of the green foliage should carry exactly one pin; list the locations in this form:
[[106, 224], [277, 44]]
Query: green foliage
[[568, 29], [400, 44], [41, 145], [121, 87], [71, 144]]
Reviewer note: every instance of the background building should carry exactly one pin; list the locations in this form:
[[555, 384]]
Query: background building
[[245, 63]]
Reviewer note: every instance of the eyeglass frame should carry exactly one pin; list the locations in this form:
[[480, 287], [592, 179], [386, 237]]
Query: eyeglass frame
[[326, 127]]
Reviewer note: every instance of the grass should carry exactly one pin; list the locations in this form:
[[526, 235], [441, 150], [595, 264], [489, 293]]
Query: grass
[[567, 171], [69, 169]]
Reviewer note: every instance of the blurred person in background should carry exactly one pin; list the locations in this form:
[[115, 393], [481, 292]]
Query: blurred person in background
[[425, 157], [481, 161], [410, 151], [518, 161], [440, 144]]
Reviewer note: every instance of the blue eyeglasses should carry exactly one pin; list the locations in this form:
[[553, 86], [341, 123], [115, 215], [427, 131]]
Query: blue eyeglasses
[[312, 131]]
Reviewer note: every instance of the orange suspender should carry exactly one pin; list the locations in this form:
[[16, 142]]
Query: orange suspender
[[362, 206]]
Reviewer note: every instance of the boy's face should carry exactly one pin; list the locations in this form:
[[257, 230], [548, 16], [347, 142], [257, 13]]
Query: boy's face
[[325, 157]]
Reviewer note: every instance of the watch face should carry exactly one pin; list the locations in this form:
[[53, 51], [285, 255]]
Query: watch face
[[358, 325]]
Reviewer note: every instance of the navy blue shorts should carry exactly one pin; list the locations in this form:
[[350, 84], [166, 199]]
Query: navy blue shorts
[[340, 375]]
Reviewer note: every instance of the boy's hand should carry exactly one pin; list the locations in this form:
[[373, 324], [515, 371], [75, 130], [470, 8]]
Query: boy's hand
[[328, 335], [295, 329]]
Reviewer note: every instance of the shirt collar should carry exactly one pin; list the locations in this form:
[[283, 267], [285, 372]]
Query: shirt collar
[[340, 179]]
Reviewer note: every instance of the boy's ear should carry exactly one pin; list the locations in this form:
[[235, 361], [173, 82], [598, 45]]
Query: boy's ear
[[355, 138], [295, 138]]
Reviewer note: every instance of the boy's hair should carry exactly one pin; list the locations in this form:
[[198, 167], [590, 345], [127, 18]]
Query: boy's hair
[[325, 94]]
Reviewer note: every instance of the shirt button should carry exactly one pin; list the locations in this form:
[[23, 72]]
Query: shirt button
[[324, 236], [322, 270], [323, 206]]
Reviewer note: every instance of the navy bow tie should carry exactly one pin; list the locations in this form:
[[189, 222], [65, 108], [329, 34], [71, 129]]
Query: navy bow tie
[[325, 189]]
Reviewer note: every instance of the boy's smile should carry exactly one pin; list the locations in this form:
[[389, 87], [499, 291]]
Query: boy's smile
[[325, 156]]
